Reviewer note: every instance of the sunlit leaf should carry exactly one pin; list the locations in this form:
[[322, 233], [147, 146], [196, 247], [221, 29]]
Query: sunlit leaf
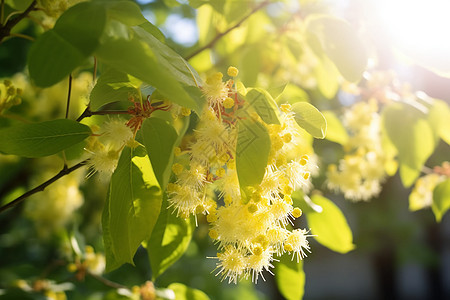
[[132, 208], [169, 240], [42, 139], [341, 44], [252, 152], [336, 132], [75, 36], [439, 118], [126, 12], [441, 199], [159, 140], [264, 105], [412, 136], [310, 118], [183, 292], [330, 226], [290, 278]]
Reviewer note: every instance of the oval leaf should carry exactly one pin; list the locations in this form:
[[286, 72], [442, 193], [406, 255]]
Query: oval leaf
[[169, 240], [60, 50], [132, 208], [310, 118], [252, 152], [42, 139], [341, 44], [159, 140], [330, 226], [412, 136], [290, 278], [441, 199], [264, 105], [183, 292]]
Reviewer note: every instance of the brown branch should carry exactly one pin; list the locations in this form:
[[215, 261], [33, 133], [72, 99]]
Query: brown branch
[[68, 96], [222, 34], [88, 113], [65, 171], [5, 30]]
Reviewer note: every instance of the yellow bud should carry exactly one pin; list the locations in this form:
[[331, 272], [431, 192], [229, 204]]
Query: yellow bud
[[177, 151], [209, 177], [213, 234], [177, 168], [288, 247], [171, 187], [89, 249], [287, 137], [228, 102], [231, 164], [7, 82], [297, 212], [199, 209], [11, 90], [232, 71], [72, 267], [185, 111], [135, 289], [304, 160], [214, 78], [227, 199], [306, 175], [332, 168]]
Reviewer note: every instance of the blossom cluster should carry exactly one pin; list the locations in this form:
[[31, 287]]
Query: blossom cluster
[[248, 225], [360, 173]]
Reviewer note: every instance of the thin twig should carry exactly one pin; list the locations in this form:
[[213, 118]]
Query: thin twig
[[65, 171], [68, 96], [23, 36], [107, 282], [220, 35], [5, 30]]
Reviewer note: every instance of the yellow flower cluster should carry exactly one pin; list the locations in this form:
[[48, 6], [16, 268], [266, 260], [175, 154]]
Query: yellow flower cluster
[[249, 230], [105, 148], [9, 95], [360, 173], [422, 193]]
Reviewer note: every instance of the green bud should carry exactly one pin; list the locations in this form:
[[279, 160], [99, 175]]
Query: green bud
[[11, 91], [7, 82]]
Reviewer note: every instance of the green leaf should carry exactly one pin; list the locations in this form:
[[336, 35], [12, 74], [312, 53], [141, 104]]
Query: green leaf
[[183, 292], [42, 139], [137, 59], [439, 118], [340, 43], [125, 12], [132, 208], [330, 226], [60, 50], [327, 78], [20, 5], [310, 118], [290, 278], [113, 86], [170, 60], [441, 199], [264, 105], [169, 240], [252, 152], [335, 130], [412, 136], [159, 140]]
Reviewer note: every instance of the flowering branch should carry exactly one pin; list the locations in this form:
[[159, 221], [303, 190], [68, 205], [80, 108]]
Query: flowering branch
[[221, 34], [65, 171]]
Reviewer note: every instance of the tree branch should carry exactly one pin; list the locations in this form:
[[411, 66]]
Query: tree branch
[[65, 171], [87, 113], [220, 35], [5, 30]]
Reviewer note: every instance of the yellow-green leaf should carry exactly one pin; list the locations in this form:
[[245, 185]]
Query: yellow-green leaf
[[330, 226], [335, 130], [290, 278], [441, 199], [310, 118]]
